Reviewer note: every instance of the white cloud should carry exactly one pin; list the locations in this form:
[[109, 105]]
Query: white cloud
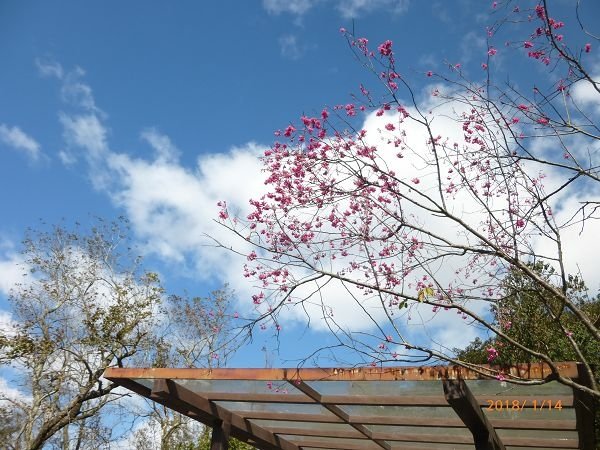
[[11, 272], [66, 157], [8, 327], [355, 8], [584, 94], [49, 68], [85, 131], [78, 93], [472, 43], [173, 208], [165, 150], [9, 393], [297, 7], [290, 47], [347, 8], [16, 138]]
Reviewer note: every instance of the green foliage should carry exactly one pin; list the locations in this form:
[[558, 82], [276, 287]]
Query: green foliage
[[204, 443], [540, 322], [10, 421], [205, 321], [84, 304]]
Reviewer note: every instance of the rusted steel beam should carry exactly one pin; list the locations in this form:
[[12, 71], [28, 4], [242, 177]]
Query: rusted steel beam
[[255, 397], [438, 422], [290, 417], [184, 409], [585, 411], [332, 444], [319, 432], [219, 439], [315, 395], [431, 373], [461, 399], [170, 391]]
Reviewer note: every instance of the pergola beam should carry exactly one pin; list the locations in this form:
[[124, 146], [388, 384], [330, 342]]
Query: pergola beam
[[585, 411], [462, 400], [507, 424], [219, 439], [317, 397], [272, 419], [172, 391], [423, 373]]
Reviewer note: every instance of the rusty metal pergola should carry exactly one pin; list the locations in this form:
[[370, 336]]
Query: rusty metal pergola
[[391, 408]]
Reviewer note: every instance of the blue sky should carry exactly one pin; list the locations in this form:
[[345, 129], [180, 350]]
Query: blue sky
[[155, 110]]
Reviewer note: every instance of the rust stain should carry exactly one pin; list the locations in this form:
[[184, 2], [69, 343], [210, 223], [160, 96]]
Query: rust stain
[[400, 373]]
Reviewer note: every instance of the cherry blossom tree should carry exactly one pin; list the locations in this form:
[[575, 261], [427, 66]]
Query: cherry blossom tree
[[412, 204]]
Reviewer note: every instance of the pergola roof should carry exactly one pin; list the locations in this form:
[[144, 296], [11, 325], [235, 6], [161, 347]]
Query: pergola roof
[[430, 407]]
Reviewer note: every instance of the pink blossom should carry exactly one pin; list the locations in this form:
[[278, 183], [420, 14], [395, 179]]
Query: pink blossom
[[429, 73], [416, 180], [541, 13], [528, 44], [484, 66], [385, 49], [492, 354], [257, 298], [390, 126], [523, 107], [500, 377], [492, 51], [543, 121], [289, 131], [520, 223], [324, 114], [342, 30], [588, 47]]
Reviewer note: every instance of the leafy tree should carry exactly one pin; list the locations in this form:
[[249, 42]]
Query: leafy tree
[[204, 443], [198, 333], [84, 304], [417, 204], [540, 322]]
